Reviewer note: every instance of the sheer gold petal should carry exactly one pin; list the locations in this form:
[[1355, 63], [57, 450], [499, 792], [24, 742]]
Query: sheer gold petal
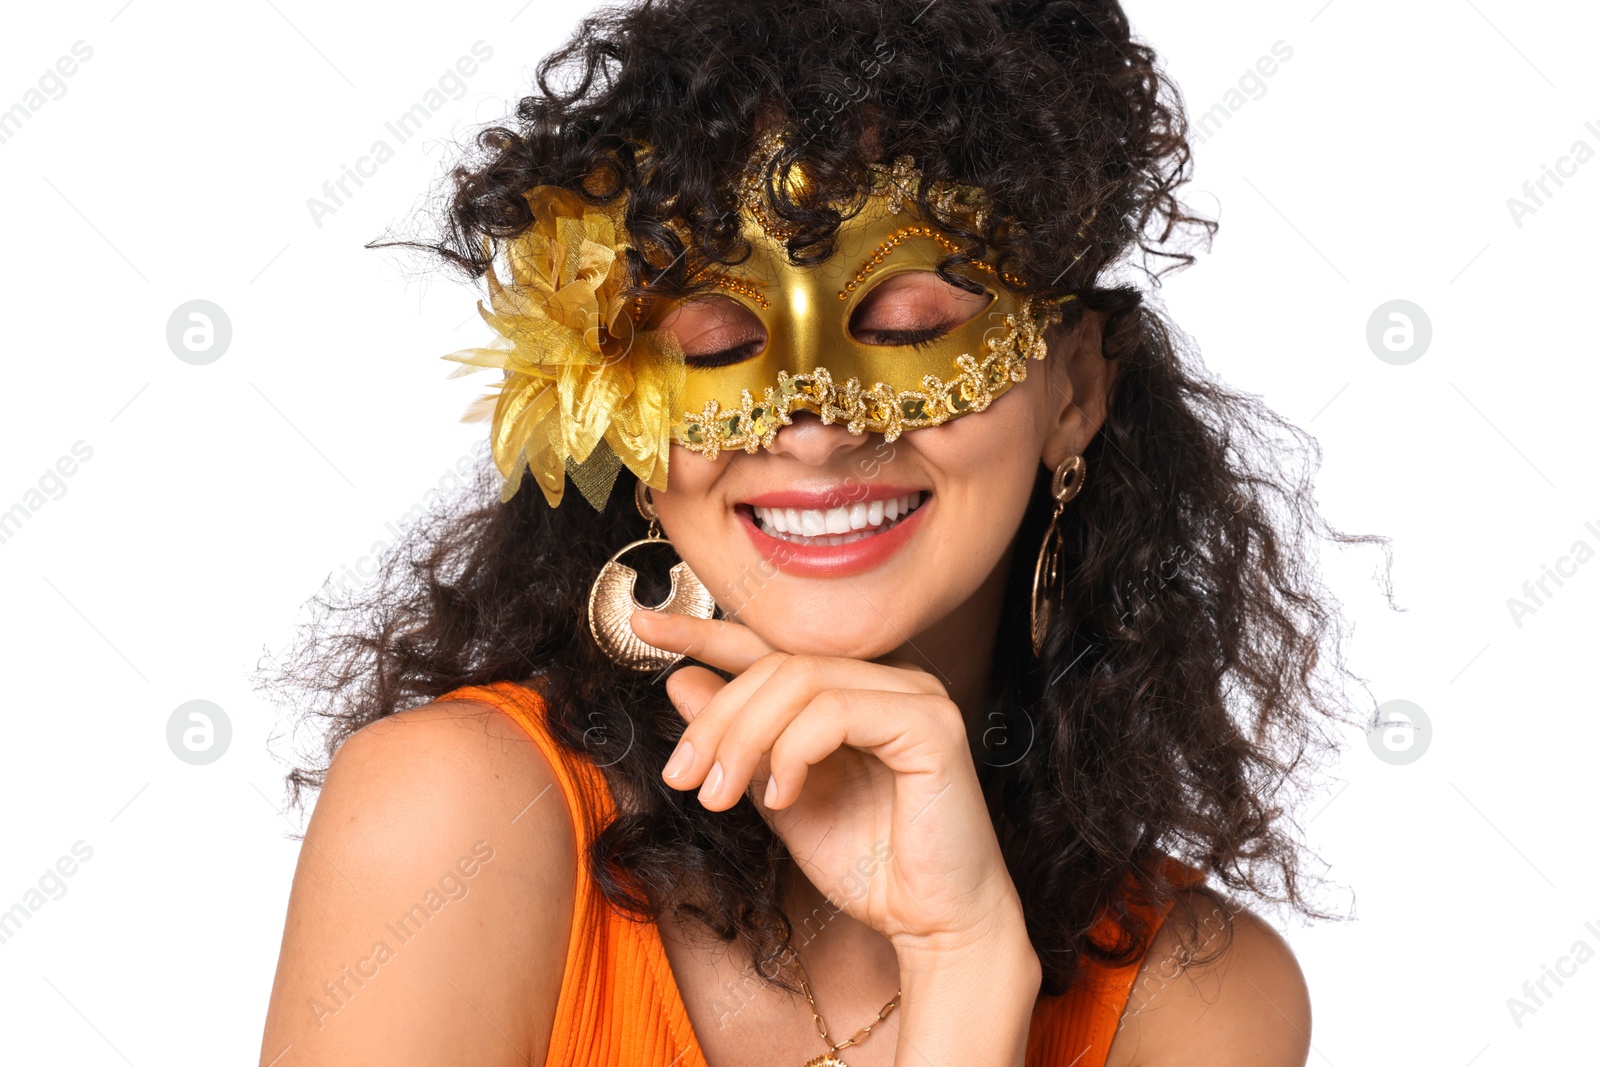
[[578, 400]]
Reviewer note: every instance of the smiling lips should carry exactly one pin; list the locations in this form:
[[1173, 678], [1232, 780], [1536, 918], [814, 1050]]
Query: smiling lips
[[837, 525], [806, 533]]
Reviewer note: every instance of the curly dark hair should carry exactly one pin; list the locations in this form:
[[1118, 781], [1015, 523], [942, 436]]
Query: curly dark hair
[[1183, 693]]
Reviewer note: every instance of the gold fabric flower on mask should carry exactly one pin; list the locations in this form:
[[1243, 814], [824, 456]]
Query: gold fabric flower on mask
[[584, 392]]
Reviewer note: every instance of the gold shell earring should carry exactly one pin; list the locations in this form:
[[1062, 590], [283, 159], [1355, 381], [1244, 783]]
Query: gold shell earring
[[1047, 570], [612, 603]]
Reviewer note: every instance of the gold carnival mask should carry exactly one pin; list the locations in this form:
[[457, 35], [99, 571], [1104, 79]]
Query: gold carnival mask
[[586, 391], [811, 361]]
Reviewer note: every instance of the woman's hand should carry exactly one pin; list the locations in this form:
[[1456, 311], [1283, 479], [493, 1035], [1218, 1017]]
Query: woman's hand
[[862, 768]]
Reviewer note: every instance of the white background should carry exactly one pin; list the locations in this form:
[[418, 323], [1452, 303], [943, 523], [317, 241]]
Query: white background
[[177, 165]]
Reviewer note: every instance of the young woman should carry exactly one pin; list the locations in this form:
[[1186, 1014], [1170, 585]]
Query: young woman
[[1002, 639]]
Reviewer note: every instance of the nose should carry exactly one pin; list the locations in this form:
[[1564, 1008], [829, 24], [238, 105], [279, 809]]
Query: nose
[[807, 439]]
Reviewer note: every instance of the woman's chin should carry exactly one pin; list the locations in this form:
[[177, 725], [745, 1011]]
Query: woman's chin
[[827, 633]]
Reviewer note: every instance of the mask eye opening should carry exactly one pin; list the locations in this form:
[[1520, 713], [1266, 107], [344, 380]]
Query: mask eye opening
[[714, 328], [914, 306]]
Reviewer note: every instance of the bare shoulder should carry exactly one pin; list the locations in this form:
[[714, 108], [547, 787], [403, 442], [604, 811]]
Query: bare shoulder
[[431, 906], [1218, 986]]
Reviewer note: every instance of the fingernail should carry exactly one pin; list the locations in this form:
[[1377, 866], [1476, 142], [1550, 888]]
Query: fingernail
[[682, 756], [650, 613], [713, 782], [771, 796]]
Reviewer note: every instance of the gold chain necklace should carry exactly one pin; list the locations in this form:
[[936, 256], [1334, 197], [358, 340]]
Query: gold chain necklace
[[828, 1059]]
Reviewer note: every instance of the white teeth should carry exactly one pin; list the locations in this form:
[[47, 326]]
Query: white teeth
[[838, 525]]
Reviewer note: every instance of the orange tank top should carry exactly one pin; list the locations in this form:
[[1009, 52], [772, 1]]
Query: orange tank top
[[619, 1004]]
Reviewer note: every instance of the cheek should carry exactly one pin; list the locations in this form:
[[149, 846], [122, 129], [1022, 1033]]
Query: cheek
[[985, 463], [689, 475], [985, 451], [690, 508]]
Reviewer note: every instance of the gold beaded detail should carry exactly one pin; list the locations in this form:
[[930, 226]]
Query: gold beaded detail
[[878, 409], [751, 195], [732, 285], [898, 238], [744, 289]]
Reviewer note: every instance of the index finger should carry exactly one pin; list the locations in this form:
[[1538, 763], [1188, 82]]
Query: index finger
[[721, 643]]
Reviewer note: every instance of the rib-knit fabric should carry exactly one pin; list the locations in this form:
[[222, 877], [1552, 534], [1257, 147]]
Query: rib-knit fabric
[[619, 1004]]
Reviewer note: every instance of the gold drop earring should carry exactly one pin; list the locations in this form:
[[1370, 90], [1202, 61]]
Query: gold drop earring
[[1047, 571], [612, 602]]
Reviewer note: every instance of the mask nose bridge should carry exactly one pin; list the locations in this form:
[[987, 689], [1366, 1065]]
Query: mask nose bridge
[[803, 327]]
